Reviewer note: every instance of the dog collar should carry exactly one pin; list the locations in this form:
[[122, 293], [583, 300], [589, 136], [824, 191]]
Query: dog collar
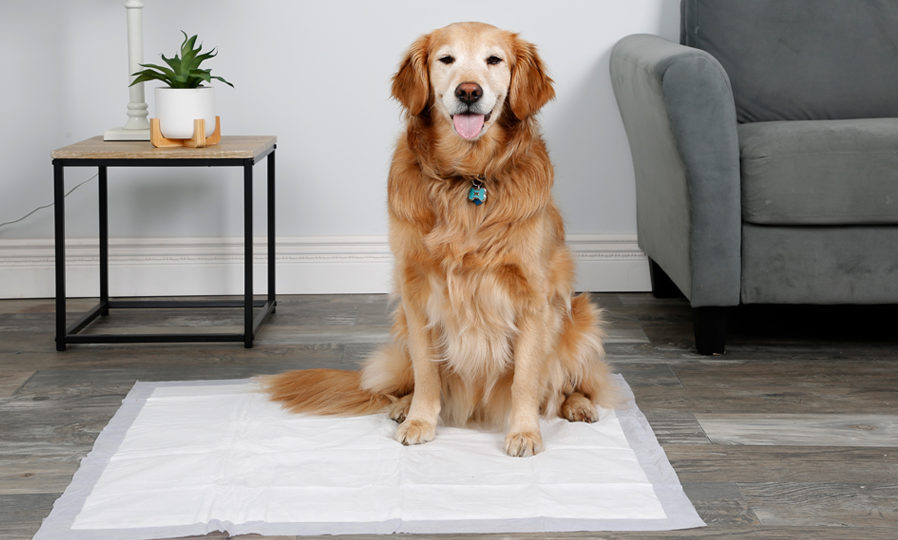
[[477, 193]]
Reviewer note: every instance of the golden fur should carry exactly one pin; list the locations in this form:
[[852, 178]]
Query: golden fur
[[486, 330]]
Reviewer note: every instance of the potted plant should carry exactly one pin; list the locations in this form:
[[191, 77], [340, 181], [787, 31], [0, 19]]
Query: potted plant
[[184, 98]]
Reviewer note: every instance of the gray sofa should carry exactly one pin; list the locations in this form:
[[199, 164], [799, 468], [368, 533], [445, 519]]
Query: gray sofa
[[765, 148]]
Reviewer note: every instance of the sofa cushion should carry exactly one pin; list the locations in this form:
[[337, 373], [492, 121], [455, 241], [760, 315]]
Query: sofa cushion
[[823, 172], [799, 59]]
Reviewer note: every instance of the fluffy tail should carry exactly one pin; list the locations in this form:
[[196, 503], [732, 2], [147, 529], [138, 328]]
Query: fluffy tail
[[325, 391]]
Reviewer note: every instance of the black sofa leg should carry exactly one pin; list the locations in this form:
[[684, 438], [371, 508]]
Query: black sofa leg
[[710, 323], [662, 285]]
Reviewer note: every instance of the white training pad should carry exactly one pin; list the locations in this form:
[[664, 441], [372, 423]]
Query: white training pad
[[190, 458]]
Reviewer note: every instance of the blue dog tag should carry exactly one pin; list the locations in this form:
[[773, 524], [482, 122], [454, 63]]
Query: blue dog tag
[[477, 195]]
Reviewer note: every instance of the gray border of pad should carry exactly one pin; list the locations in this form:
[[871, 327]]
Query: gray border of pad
[[677, 507]]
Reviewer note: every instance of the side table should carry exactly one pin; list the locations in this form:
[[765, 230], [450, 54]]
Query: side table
[[230, 152]]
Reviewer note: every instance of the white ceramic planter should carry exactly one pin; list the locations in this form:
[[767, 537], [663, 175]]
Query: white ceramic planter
[[177, 108]]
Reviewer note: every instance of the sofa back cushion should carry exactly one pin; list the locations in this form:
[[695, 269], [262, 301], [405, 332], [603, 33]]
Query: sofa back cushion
[[801, 59]]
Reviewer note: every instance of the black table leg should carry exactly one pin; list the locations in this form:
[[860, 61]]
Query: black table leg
[[104, 241], [271, 232], [59, 233], [248, 255]]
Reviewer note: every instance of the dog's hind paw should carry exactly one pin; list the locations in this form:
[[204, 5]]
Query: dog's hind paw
[[523, 444], [399, 409], [415, 432], [578, 408]]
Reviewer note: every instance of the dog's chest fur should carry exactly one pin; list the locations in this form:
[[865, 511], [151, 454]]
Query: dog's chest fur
[[476, 275]]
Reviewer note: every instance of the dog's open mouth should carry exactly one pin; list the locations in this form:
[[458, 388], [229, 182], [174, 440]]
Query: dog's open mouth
[[468, 125]]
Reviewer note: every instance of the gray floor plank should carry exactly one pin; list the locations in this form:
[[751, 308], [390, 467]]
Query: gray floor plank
[[696, 462], [11, 381], [33, 474], [857, 430], [21, 515], [836, 505]]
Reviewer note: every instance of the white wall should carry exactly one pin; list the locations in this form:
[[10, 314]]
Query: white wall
[[317, 75]]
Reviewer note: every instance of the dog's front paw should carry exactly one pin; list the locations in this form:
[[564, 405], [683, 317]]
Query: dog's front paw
[[523, 444], [415, 432], [578, 408]]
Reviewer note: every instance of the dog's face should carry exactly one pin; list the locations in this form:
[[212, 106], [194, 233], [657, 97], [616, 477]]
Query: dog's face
[[468, 73], [470, 76]]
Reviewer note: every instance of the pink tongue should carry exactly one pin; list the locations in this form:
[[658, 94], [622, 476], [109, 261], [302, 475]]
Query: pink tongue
[[468, 125]]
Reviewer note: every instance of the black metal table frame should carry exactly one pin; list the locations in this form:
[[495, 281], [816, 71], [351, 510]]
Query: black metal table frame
[[66, 335]]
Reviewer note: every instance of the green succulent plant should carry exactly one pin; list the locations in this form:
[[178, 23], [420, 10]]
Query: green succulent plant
[[183, 71]]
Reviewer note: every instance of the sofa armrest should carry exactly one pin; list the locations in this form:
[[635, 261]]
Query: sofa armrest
[[678, 111]]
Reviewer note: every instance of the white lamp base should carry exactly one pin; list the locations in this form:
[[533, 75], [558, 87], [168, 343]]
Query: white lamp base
[[137, 128], [122, 134]]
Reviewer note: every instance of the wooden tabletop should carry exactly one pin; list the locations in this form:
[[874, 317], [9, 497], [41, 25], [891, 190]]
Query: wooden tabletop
[[234, 147]]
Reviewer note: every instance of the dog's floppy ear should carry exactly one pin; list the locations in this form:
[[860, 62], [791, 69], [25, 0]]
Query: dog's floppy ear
[[411, 84], [530, 87]]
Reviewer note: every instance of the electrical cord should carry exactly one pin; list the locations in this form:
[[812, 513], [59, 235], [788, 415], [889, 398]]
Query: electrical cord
[[29, 214]]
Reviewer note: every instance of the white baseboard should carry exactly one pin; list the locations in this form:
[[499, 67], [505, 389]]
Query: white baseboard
[[211, 266]]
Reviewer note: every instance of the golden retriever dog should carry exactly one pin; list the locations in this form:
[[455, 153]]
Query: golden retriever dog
[[486, 331]]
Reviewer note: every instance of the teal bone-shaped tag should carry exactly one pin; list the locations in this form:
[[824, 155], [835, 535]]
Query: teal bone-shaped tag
[[477, 195]]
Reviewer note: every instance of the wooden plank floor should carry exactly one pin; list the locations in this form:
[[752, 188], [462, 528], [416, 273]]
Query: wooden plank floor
[[792, 434]]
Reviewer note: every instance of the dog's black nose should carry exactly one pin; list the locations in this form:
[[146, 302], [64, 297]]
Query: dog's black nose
[[468, 92]]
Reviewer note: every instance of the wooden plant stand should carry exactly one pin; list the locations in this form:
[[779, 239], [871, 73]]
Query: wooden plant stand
[[199, 139]]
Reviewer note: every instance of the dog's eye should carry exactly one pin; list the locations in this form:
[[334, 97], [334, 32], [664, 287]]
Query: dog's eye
[[493, 60], [447, 59]]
